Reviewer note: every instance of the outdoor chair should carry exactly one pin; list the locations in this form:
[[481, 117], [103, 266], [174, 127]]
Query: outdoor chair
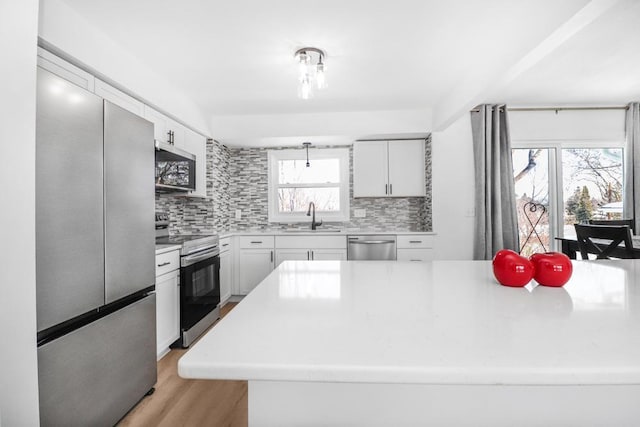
[[604, 241], [627, 222]]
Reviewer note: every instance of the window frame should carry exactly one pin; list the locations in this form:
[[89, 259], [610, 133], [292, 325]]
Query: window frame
[[273, 156], [556, 190]]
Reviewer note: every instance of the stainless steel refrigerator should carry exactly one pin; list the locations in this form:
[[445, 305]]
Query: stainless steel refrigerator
[[94, 256]]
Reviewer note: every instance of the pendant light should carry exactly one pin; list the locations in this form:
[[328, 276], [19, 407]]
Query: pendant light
[[311, 69], [306, 145]]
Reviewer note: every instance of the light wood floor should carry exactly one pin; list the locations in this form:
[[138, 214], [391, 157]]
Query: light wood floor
[[181, 402]]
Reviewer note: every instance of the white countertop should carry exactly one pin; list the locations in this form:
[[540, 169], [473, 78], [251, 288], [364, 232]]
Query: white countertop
[[322, 232], [441, 322]]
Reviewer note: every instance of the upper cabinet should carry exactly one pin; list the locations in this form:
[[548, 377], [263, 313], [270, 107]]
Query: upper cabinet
[[116, 96], [389, 168], [67, 71], [165, 129]]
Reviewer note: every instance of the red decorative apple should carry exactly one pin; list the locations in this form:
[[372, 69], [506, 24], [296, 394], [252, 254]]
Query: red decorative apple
[[551, 268], [512, 269]]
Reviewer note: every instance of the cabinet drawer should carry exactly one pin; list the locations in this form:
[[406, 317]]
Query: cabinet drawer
[[167, 261], [312, 242], [256, 242], [225, 244], [414, 241], [415, 254]]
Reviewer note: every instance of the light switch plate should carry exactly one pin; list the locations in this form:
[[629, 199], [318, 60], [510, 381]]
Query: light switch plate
[[238, 213], [360, 213]]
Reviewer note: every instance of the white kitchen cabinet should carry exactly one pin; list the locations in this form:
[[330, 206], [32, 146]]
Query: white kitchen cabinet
[[165, 129], [226, 270], [415, 247], [167, 302], [196, 144], [116, 96], [393, 168], [64, 69], [256, 259], [310, 248]]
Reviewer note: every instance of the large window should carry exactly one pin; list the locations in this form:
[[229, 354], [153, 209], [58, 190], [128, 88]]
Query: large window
[[293, 185], [565, 183]]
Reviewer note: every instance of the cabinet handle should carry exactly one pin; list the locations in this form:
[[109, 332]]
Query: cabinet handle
[[390, 188], [308, 255], [163, 264], [225, 244], [313, 256], [415, 241], [417, 260], [172, 137], [271, 256], [256, 241], [386, 189], [169, 137]]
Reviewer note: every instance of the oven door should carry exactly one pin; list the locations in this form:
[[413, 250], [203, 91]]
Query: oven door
[[199, 290]]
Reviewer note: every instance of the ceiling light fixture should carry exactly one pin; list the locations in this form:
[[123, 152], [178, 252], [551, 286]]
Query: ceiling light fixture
[[307, 144], [311, 70]]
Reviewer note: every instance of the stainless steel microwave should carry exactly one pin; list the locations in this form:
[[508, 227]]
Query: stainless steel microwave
[[175, 169]]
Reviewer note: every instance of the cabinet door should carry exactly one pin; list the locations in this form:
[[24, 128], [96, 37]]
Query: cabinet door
[[167, 311], [179, 134], [225, 276], [160, 124], [292, 255], [370, 169], [197, 144], [119, 98], [62, 68], [329, 254], [406, 168], [255, 265]]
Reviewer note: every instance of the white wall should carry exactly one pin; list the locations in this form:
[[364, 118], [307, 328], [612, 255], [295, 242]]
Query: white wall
[[453, 190], [18, 359], [319, 128], [68, 31]]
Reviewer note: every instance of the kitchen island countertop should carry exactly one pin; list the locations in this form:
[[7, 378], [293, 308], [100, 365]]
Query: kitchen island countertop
[[433, 324]]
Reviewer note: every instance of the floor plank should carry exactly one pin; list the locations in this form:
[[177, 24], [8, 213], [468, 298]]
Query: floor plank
[[181, 402]]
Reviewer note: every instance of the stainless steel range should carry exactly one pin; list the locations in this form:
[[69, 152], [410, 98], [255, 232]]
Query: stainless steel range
[[199, 279]]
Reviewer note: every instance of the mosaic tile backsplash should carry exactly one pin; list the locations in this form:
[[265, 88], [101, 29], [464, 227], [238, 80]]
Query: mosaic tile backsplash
[[237, 179]]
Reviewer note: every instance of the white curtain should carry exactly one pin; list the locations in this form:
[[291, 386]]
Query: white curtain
[[496, 225], [632, 165]]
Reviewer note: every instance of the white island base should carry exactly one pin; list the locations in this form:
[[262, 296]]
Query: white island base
[[357, 343], [280, 403]]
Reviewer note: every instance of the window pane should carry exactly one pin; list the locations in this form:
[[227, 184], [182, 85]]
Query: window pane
[[321, 171], [592, 185], [531, 174], [298, 199]]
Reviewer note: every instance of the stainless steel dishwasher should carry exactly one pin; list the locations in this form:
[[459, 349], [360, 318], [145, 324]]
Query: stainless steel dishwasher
[[371, 247]]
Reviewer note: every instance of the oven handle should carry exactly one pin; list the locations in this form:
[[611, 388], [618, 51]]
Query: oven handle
[[192, 259]]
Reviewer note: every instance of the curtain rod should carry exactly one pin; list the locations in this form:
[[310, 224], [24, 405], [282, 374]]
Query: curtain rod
[[475, 110]]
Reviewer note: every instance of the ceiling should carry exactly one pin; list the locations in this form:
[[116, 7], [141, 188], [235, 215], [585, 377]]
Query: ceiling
[[235, 58]]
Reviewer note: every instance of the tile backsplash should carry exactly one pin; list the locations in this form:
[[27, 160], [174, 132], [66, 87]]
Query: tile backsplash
[[237, 179]]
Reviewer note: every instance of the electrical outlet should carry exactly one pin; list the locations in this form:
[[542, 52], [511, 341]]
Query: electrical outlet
[[238, 213], [360, 213]]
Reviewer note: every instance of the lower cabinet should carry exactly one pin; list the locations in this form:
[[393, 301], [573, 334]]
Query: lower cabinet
[[310, 248], [167, 311], [256, 259], [226, 270], [415, 247], [255, 265]]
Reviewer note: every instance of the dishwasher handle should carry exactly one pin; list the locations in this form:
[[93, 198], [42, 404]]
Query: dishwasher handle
[[371, 242]]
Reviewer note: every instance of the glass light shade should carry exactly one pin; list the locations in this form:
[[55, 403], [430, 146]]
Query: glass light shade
[[320, 76], [304, 89]]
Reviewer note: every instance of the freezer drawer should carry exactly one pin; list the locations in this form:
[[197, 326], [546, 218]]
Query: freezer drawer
[[95, 374]]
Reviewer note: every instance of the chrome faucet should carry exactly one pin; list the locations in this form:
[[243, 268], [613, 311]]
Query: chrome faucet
[[313, 218]]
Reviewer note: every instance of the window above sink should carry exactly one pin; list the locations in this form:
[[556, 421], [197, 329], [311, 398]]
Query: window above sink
[[293, 185]]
